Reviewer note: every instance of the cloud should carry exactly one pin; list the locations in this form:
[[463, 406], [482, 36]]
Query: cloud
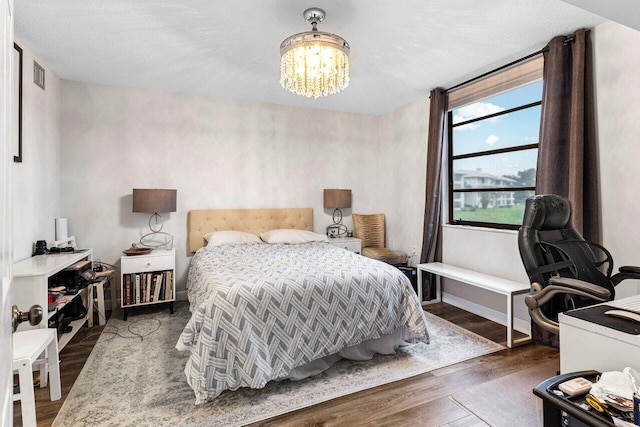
[[491, 139], [473, 111]]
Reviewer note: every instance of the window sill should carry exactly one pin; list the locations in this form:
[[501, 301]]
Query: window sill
[[484, 229]]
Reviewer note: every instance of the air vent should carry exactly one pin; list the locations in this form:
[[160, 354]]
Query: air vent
[[38, 75]]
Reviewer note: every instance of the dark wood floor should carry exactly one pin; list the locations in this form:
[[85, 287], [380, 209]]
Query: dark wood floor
[[490, 390]]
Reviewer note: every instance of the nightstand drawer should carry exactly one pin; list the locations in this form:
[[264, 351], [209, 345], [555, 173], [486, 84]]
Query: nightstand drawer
[[349, 243], [142, 263]]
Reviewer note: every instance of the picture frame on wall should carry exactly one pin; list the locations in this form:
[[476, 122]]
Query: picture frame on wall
[[17, 102]]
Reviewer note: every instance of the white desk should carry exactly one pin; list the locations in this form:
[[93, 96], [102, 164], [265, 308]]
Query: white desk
[[585, 345], [31, 285]]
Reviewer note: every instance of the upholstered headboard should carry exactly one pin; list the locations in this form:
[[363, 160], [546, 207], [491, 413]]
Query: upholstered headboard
[[256, 221]]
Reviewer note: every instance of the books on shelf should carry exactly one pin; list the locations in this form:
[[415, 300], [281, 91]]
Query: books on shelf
[[143, 288]]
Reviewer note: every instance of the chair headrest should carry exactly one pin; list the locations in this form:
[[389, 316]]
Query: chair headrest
[[547, 212]]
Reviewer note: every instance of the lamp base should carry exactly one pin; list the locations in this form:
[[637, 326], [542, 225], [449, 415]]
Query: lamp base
[[157, 240], [336, 230]]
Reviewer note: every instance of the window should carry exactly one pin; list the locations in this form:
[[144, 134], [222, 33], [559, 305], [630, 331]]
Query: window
[[493, 151]]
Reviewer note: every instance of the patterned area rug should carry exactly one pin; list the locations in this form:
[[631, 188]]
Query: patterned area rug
[[134, 376]]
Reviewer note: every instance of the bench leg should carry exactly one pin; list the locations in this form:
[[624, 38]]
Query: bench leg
[[510, 321], [511, 342], [419, 285], [438, 296]]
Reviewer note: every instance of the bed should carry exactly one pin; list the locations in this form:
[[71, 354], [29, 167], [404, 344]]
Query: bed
[[270, 311]]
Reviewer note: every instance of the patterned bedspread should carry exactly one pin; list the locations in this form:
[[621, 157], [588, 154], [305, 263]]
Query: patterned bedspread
[[260, 310]]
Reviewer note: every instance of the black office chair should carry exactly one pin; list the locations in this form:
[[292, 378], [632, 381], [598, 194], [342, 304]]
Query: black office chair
[[565, 271]]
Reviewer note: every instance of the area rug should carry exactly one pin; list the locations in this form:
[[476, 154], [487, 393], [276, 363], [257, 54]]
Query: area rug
[[134, 376]]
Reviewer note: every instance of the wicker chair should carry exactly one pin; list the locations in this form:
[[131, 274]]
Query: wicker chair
[[370, 230]]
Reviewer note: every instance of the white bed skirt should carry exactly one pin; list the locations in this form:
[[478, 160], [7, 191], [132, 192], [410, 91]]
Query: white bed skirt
[[387, 344]]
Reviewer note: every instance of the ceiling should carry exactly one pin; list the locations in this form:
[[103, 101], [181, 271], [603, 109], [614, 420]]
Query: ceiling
[[400, 49]]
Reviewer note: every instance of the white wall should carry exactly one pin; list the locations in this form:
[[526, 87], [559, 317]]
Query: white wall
[[402, 158], [217, 154], [36, 181], [617, 80]]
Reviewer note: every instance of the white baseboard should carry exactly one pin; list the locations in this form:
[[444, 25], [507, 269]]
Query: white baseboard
[[499, 317]]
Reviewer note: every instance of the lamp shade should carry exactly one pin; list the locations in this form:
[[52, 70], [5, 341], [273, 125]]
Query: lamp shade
[[154, 200], [337, 198]]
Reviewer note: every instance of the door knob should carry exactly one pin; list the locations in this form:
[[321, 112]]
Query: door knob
[[34, 316]]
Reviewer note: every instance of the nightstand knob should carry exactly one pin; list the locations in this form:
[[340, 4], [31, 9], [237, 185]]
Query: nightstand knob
[[148, 264]]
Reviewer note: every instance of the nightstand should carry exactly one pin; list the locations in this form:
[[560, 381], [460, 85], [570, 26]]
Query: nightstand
[[148, 279], [349, 243]]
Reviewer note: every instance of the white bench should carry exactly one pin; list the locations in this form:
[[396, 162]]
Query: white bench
[[499, 285]]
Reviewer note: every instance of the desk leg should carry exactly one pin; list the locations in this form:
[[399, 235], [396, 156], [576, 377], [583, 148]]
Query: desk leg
[[54, 368]]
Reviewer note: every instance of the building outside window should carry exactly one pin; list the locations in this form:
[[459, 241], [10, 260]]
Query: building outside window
[[493, 134]]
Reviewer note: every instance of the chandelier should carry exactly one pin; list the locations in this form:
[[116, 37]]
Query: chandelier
[[314, 63]]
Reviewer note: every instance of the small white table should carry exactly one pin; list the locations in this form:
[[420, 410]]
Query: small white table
[[585, 345], [27, 347], [499, 285]]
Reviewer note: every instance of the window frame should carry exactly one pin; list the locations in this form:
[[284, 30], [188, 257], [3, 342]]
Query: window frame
[[450, 159]]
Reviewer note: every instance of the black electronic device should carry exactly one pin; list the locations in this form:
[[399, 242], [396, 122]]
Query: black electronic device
[[40, 247], [57, 250], [73, 277], [412, 275]]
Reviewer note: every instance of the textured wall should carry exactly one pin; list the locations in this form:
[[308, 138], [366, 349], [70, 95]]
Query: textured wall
[[229, 154], [617, 82], [403, 158], [36, 181]]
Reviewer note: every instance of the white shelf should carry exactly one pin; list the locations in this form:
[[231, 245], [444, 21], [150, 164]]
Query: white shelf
[[70, 297], [64, 339], [31, 287]]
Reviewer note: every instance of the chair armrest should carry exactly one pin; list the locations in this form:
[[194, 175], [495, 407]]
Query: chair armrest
[[625, 272], [565, 285], [629, 269], [580, 287], [560, 285]]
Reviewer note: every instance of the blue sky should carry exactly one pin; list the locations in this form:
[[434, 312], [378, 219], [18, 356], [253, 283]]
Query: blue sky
[[517, 128]]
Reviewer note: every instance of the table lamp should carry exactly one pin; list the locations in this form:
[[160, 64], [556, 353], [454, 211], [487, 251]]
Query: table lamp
[[337, 199], [154, 201]]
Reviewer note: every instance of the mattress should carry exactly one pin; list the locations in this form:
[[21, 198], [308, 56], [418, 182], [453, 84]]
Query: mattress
[[259, 311]]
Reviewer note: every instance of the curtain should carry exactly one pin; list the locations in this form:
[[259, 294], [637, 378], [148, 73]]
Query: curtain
[[567, 157], [433, 200]]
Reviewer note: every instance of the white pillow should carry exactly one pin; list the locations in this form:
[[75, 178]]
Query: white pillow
[[216, 238], [289, 235]]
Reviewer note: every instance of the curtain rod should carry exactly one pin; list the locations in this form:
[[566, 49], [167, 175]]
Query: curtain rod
[[566, 41]]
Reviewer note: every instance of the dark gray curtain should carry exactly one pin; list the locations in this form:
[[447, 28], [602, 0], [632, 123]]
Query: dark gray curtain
[[567, 158], [432, 211]]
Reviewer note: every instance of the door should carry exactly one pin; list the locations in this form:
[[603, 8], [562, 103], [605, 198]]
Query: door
[[6, 162]]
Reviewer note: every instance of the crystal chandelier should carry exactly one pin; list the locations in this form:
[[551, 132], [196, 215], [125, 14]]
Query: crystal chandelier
[[314, 63]]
